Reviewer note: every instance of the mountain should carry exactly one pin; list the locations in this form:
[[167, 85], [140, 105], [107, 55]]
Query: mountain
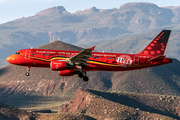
[[52, 11], [45, 89], [3, 62], [86, 28], [121, 105], [175, 10]]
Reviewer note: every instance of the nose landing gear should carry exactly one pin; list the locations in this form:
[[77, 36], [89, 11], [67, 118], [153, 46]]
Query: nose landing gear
[[28, 69]]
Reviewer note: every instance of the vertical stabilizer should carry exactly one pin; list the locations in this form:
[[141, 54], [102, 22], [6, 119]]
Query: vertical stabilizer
[[158, 45]]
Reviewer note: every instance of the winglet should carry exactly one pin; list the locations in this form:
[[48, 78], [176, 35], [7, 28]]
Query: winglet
[[93, 48]]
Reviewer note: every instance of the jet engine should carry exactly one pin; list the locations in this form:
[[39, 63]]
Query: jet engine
[[60, 65], [66, 73]]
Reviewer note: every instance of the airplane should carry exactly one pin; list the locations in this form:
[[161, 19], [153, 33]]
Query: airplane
[[69, 63]]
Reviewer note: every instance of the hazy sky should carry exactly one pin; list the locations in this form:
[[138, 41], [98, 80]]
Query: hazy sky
[[14, 9]]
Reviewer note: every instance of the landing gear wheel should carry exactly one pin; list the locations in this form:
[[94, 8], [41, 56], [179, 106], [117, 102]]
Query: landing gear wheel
[[28, 69], [85, 78], [27, 74], [80, 74]]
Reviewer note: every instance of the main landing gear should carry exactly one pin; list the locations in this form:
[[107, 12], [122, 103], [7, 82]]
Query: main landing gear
[[28, 69], [83, 75], [80, 74]]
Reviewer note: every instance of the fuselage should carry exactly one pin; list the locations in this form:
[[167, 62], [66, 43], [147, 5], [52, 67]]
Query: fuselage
[[68, 63], [99, 61]]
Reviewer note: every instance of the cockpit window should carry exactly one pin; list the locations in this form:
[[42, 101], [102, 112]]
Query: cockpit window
[[17, 53]]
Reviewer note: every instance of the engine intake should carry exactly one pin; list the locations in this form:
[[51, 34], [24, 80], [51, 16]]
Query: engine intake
[[60, 65]]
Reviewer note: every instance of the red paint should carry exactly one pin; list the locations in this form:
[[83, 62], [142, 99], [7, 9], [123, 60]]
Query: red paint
[[58, 59], [152, 44], [149, 48], [146, 52], [158, 51], [152, 52]]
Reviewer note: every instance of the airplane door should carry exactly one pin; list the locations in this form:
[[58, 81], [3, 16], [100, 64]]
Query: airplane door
[[136, 60], [27, 54]]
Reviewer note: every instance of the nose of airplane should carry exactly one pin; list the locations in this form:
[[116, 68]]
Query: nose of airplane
[[11, 59]]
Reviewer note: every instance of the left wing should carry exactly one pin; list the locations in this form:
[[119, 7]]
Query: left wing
[[82, 57]]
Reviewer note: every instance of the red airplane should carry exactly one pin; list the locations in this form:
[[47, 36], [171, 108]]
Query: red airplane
[[68, 63]]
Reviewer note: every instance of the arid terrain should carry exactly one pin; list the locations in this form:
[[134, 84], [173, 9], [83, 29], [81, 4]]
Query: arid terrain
[[151, 93], [91, 104], [122, 105]]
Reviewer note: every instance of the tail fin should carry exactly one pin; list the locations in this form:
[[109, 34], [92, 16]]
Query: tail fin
[[158, 45]]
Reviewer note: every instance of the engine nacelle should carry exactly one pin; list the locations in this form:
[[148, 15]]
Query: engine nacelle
[[60, 65], [66, 73]]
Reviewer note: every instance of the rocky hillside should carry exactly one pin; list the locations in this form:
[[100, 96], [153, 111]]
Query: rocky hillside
[[91, 104], [64, 116], [11, 113], [120, 105], [86, 28]]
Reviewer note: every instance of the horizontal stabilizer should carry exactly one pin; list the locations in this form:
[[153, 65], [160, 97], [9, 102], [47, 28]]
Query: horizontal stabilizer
[[158, 58]]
